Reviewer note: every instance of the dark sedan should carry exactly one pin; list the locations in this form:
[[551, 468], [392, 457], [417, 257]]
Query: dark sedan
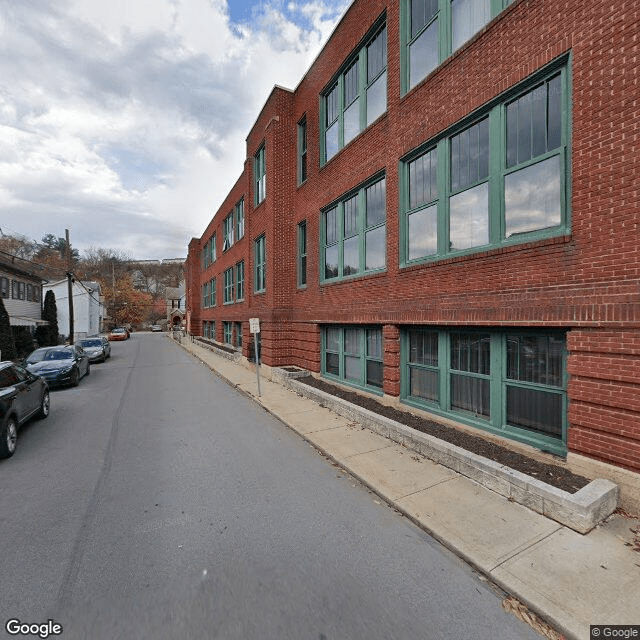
[[22, 396], [94, 348], [59, 366]]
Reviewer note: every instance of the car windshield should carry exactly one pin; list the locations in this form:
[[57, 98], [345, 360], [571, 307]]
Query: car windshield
[[90, 343], [49, 354], [118, 331]]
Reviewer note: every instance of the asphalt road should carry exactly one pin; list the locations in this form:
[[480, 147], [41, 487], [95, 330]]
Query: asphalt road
[[156, 502]]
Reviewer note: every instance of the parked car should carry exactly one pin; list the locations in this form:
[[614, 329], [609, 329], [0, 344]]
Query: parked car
[[119, 333], [94, 348], [107, 345], [155, 327], [59, 366], [23, 396]]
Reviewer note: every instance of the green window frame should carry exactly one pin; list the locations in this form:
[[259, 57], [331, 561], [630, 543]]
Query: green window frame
[[227, 332], [238, 335], [240, 281], [500, 177], [510, 382], [227, 232], [302, 151], [353, 233], [212, 292], [260, 265], [357, 95], [432, 30], [260, 175], [4, 287], [209, 252], [205, 295], [302, 254], [227, 296], [239, 219], [354, 355]]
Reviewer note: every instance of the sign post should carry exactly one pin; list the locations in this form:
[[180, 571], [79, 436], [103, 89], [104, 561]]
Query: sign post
[[254, 328]]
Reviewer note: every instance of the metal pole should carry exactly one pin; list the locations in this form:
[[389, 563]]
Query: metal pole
[[255, 345], [70, 289]]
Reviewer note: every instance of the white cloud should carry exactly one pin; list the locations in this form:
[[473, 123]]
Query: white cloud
[[125, 121]]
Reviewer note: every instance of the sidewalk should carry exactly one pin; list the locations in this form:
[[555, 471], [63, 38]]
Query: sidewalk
[[568, 579]]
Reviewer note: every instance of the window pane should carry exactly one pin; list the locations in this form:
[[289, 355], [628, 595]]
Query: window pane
[[331, 262], [352, 341], [421, 13], [331, 140], [377, 98], [469, 218], [423, 54], [351, 256], [554, 113], [423, 179], [351, 216], [532, 197], [423, 233], [470, 155], [536, 359], [377, 55], [423, 348], [467, 18], [524, 127], [352, 368], [470, 394], [375, 371], [333, 339], [331, 231], [539, 121], [375, 242], [352, 121], [423, 384], [374, 343], [471, 352], [376, 203], [351, 84], [331, 104], [332, 363], [538, 411]]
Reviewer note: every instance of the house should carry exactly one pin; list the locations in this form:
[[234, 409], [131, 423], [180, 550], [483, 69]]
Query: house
[[21, 290], [88, 307], [175, 297], [444, 214]]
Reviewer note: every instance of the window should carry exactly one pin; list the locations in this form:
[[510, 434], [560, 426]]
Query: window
[[228, 286], [227, 331], [239, 212], [240, 281], [205, 296], [512, 383], [4, 287], [209, 252], [30, 292], [302, 254], [433, 29], [227, 232], [238, 332], [354, 355], [212, 293], [302, 150], [14, 289], [500, 180], [354, 233], [260, 175], [357, 97], [21, 290], [260, 262]]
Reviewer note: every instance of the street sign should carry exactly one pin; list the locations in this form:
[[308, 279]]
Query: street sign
[[254, 325]]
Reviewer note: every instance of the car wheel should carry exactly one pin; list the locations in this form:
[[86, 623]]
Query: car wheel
[[75, 380], [45, 405], [8, 437], [88, 369]]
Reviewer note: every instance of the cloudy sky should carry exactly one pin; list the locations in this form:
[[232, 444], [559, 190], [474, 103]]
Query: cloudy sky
[[125, 121]]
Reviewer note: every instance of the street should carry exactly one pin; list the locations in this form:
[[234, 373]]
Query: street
[[157, 502]]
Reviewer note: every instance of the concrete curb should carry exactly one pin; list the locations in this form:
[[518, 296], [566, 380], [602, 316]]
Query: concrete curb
[[580, 511]]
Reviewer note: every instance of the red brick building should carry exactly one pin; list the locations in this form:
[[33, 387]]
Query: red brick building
[[444, 213]]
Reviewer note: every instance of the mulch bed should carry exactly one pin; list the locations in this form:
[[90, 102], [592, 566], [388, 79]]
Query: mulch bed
[[549, 473]]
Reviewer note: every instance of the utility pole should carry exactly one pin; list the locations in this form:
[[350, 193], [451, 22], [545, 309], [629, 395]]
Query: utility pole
[[70, 288]]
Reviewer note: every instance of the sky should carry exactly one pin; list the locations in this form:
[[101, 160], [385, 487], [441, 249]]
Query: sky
[[125, 121]]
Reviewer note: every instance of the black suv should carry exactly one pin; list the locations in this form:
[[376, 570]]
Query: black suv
[[22, 396]]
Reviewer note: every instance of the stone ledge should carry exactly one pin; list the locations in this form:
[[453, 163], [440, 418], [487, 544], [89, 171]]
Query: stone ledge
[[580, 511]]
